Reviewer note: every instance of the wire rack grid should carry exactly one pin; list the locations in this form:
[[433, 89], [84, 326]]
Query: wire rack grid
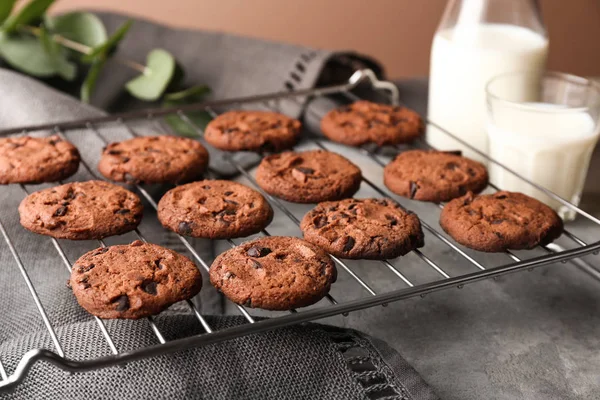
[[370, 297]]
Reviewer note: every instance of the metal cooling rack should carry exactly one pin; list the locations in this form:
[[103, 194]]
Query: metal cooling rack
[[327, 307]]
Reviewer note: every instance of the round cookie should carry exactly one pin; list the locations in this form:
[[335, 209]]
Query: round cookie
[[274, 273], [214, 209], [500, 221], [309, 176], [366, 122], [260, 131], [375, 229], [81, 211], [29, 159], [154, 159], [436, 176], [133, 281]]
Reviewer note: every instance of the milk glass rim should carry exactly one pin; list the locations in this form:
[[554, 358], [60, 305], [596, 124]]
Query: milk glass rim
[[570, 78]]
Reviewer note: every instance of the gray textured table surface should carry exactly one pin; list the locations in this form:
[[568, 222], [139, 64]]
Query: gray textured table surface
[[529, 335]]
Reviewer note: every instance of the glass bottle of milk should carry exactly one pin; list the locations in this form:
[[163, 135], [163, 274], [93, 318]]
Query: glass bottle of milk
[[476, 41]]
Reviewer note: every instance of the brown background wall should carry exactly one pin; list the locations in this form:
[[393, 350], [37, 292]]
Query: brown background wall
[[397, 32]]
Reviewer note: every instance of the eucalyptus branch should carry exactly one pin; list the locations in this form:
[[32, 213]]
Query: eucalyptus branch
[[58, 39], [82, 48], [44, 46]]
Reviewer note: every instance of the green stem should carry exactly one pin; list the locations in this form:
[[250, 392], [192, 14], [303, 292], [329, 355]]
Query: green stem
[[82, 48]]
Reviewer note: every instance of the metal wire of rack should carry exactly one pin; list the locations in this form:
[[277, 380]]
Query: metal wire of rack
[[553, 253]]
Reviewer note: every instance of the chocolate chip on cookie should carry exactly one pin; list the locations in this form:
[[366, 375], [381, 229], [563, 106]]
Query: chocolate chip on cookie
[[363, 228], [133, 281], [81, 211], [365, 122], [274, 273], [154, 159], [309, 176], [28, 159], [434, 175], [259, 131], [500, 221], [214, 209]]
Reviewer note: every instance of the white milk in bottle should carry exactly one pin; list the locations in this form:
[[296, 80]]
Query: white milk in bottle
[[465, 56]]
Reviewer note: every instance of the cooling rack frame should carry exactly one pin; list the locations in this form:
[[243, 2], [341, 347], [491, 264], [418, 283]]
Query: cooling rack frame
[[57, 357]]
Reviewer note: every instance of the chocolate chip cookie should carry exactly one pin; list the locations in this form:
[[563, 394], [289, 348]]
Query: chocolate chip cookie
[[500, 221], [434, 175], [81, 211], [259, 131], [366, 122], [28, 159], [309, 176], [374, 229], [133, 281], [274, 273], [214, 209], [154, 159]]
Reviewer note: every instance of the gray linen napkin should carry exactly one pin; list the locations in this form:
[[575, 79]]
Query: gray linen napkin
[[308, 361]]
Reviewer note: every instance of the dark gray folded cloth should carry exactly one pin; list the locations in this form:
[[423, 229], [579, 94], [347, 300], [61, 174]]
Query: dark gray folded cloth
[[302, 362], [309, 361]]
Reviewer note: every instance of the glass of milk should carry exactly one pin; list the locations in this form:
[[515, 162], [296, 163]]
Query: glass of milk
[[543, 127], [475, 41]]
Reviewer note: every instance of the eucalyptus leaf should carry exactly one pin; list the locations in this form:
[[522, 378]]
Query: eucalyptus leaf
[[6, 7], [31, 11], [90, 80], [199, 118], [27, 54], [160, 67], [58, 56], [103, 50], [80, 27], [191, 93]]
